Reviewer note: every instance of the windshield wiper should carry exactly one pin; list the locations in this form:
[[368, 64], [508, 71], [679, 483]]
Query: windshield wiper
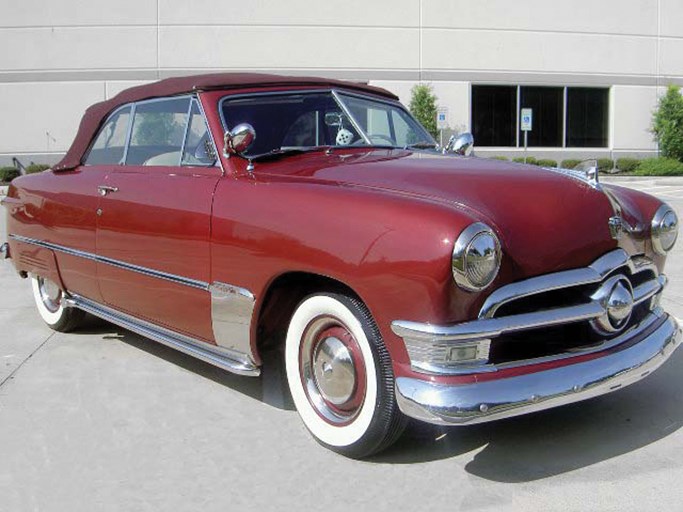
[[281, 152], [421, 145]]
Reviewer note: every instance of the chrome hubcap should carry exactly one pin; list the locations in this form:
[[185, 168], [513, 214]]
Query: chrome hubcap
[[50, 294], [332, 370]]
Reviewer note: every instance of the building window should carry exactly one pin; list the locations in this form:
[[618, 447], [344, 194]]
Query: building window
[[587, 117], [574, 117], [494, 118], [546, 104]]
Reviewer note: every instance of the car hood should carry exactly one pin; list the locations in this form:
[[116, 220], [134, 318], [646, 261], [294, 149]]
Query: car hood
[[547, 220]]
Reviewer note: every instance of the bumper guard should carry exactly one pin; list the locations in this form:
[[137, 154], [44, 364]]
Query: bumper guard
[[503, 398]]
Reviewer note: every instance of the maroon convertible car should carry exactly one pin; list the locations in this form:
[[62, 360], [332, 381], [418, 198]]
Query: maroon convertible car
[[224, 215]]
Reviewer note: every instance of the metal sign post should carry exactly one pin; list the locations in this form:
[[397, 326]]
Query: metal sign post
[[441, 122], [527, 118]]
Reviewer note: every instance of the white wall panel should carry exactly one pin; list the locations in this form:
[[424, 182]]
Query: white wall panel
[[39, 13], [78, 48], [286, 47], [671, 18], [633, 108], [455, 96], [395, 13], [601, 16], [515, 51], [671, 57], [115, 87], [400, 88], [39, 108]]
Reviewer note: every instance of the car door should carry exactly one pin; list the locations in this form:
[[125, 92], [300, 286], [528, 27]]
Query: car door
[[153, 232], [72, 203]]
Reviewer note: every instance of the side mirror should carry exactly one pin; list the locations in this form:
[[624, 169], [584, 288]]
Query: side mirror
[[460, 145], [238, 140]]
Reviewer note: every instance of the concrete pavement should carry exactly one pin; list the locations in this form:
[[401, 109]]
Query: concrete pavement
[[104, 420]]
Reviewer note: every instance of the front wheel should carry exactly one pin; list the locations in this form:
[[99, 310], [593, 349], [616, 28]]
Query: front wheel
[[340, 376], [51, 304]]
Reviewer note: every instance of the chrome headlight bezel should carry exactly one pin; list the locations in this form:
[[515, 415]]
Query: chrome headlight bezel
[[462, 268], [663, 225]]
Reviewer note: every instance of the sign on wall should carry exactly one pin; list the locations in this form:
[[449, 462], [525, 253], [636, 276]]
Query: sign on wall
[[442, 118], [526, 119]]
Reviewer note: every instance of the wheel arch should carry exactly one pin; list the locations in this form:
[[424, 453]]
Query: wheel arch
[[281, 298]]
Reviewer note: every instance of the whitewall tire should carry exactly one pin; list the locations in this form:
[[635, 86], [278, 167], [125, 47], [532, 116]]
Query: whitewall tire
[[340, 376], [51, 304]]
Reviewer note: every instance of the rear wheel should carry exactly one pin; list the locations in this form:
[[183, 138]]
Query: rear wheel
[[340, 376], [51, 304]]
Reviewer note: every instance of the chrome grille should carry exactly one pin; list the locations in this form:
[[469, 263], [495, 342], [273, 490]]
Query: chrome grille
[[639, 270], [553, 315]]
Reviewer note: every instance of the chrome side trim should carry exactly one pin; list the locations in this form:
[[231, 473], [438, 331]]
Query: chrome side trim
[[192, 283], [232, 309], [231, 360], [592, 274], [504, 398]]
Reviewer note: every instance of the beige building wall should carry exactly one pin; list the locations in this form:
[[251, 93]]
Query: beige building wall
[[59, 57]]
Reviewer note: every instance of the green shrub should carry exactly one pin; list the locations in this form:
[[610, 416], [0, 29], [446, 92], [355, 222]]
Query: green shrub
[[570, 163], [502, 158], [423, 107], [546, 163], [34, 168], [667, 123], [660, 167], [627, 164], [529, 160], [605, 164], [7, 174]]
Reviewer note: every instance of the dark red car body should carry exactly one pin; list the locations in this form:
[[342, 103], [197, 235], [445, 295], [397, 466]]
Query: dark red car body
[[379, 222]]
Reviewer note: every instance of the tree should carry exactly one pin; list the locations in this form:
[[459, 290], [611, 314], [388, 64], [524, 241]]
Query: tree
[[667, 124], [423, 107]]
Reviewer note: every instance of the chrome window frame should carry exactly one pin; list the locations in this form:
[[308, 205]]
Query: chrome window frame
[[156, 100], [99, 131], [195, 101], [335, 93], [129, 130]]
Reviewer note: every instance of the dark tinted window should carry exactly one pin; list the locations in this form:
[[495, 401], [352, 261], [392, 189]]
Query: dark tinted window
[[288, 120], [110, 142], [494, 118], [546, 103], [587, 117]]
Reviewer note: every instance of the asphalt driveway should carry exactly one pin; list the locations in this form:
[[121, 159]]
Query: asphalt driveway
[[103, 419]]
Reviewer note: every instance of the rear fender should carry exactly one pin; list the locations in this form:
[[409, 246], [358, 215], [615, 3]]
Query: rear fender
[[29, 259]]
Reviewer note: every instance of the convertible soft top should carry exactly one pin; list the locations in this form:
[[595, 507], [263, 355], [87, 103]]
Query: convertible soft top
[[96, 114]]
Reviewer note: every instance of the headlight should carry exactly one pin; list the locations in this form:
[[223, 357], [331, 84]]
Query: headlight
[[664, 230], [476, 257]]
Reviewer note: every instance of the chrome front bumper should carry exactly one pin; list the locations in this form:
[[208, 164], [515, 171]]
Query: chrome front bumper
[[506, 397]]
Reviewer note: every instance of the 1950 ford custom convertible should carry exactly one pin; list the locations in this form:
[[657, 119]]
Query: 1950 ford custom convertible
[[226, 214]]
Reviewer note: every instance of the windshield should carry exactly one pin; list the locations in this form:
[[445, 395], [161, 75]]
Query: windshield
[[309, 120]]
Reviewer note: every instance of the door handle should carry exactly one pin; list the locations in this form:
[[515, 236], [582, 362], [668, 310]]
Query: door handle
[[104, 189]]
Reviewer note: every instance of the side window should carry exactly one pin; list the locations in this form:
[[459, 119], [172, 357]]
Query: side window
[[158, 132], [109, 145], [198, 145]]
